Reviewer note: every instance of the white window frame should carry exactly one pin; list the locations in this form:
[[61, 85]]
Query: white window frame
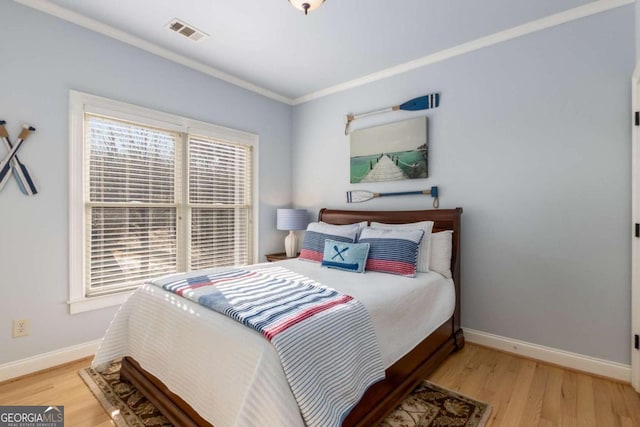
[[81, 103]]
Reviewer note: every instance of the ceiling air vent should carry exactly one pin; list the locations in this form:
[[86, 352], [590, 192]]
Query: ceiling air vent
[[189, 31]]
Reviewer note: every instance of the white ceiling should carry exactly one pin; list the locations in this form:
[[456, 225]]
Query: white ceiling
[[272, 45]]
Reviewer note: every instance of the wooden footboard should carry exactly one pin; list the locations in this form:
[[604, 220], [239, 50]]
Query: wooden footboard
[[403, 376], [169, 404]]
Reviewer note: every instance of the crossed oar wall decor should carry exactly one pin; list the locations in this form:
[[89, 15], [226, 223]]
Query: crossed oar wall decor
[[11, 164]]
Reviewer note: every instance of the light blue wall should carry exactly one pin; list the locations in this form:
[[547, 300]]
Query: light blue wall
[[638, 29], [532, 139], [42, 59]]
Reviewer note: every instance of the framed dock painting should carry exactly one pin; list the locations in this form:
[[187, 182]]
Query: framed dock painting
[[390, 152]]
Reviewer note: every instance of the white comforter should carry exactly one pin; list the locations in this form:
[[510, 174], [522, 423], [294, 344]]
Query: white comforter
[[229, 373]]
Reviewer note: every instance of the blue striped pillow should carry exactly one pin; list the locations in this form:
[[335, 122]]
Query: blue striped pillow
[[317, 232], [392, 251], [345, 256]]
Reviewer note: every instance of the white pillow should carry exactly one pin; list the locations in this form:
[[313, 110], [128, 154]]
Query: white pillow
[[361, 226], [424, 248], [441, 248]]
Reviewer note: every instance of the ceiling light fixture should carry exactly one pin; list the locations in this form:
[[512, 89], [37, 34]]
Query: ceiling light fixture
[[306, 5]]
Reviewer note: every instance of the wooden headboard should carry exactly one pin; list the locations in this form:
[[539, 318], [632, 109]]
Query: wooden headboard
[[444, 219]]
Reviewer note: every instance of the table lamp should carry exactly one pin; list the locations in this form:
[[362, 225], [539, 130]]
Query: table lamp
[[291, 220]]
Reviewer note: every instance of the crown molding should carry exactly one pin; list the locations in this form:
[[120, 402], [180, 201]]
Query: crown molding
[[579, 12], [60, 12], [593, 8]]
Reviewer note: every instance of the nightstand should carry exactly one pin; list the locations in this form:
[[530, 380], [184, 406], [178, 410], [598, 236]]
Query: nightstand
[[278, 257]]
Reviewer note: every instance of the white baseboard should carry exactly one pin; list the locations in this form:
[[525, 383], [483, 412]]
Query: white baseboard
[[47, 360], [579, 362]]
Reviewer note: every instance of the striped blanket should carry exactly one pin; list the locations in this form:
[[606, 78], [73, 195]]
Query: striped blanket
[[325, 339]]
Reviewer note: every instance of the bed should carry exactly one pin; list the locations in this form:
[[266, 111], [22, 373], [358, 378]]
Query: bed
[[403, 372]]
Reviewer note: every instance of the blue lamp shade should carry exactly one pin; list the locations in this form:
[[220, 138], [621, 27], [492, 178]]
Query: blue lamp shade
[[292, 219]]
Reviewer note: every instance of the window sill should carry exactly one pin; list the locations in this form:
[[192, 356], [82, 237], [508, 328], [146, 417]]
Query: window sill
[[95, 303]]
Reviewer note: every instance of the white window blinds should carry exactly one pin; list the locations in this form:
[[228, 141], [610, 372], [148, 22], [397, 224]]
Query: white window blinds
[[131, 208], [220, 203], [139, 223]]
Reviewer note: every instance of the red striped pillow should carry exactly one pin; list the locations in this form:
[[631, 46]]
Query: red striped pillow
[[392, 251], [317, 232]]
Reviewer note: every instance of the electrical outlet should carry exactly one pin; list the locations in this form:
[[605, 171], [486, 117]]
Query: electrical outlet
[[20, 328]]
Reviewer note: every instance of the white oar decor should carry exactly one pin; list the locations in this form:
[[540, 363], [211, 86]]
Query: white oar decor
[[5, 166], [420, 103], [20, 171], [358, 196]]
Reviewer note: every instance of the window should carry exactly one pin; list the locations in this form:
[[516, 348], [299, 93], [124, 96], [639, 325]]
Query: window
[[152, 194]]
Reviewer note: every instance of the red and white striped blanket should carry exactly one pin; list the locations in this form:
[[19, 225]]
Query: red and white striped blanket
[[325, 339]]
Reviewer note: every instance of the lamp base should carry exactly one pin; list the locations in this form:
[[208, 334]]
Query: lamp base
[[291, 244]]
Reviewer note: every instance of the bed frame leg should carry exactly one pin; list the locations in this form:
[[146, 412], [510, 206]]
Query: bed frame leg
[[458, 340]]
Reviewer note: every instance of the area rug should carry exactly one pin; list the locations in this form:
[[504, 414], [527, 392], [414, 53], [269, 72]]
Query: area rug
[[427, 406]]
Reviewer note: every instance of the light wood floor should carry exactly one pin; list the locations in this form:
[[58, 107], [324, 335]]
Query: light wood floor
[[522, 392]]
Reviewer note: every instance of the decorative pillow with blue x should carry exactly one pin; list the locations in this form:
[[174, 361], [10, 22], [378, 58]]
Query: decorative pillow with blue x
[[345, 256]]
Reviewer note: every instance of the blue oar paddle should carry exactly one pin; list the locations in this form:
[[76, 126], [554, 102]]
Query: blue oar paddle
[[5, 166], [421, 103], [20, 171]]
